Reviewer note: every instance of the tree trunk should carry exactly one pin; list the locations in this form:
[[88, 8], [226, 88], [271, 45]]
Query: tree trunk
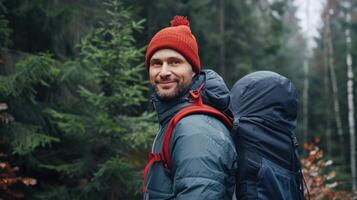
[[306, 100], [350, 96], [327, 97], [305, 122], [334, 82], [222, 68]]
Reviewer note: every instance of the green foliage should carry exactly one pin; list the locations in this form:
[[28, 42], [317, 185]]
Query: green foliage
[[79, 120], [10, 180], [26, 138], [141, 129], [34, 70], [5, 32], [51, 26]]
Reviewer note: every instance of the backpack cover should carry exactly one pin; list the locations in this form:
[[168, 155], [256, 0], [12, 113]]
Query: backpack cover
[[264, 106]]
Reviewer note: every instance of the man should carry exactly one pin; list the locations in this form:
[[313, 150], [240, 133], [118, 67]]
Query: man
[[202, 152]]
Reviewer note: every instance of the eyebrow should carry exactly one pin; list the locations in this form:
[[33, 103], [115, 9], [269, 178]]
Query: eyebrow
[[169, 58], [155, 60]]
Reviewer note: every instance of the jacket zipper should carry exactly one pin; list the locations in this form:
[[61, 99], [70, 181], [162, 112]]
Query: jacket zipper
[[157, 135]]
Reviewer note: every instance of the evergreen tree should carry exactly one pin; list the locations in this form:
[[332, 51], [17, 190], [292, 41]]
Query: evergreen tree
[[78, 128], [51, 26]]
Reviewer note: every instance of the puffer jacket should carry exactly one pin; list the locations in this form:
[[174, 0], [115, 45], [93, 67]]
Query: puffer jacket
[[202, 152]]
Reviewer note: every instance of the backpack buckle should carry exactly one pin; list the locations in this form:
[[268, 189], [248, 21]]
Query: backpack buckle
[[196, 95], [295, 141]]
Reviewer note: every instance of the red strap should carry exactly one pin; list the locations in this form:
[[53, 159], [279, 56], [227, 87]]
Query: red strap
[[194, 109], [196, 95], [153, 157]]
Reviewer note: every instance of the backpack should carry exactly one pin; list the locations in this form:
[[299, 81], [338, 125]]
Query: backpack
[[264, 107], [262, 172]]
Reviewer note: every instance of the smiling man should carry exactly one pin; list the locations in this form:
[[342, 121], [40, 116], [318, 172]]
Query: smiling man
[[201, 150]]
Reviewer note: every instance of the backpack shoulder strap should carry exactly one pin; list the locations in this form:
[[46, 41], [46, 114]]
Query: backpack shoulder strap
[[194, 109]]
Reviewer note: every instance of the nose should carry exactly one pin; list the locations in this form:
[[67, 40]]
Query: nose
[[165, 70]]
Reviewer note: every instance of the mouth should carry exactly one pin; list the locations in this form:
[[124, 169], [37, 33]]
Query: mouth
[[166, 84]]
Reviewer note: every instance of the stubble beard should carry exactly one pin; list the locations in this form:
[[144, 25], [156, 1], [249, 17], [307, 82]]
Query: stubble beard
[[177, 92]]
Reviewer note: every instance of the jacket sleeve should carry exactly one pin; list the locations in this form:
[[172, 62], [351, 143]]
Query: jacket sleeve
[[204, 159]]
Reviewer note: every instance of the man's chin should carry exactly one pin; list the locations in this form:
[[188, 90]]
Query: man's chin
[[167, 95]]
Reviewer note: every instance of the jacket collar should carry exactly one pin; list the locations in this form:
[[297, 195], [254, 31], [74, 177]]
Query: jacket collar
[[166, 109]]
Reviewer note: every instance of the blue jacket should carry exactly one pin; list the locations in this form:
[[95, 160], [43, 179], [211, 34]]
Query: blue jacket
[[201, 149]]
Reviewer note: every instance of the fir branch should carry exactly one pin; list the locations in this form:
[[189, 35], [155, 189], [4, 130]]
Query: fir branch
[[26, 138]]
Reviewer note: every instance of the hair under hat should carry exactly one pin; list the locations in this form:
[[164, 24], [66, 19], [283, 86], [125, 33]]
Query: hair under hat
[[177, 37]]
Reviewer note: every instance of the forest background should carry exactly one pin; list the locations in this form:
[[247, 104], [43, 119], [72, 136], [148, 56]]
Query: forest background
[[75, 119]]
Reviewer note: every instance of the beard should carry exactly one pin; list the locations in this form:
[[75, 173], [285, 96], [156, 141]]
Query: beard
[[176, 92]]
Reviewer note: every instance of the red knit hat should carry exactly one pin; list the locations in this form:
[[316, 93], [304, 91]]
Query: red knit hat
[[177, 37]]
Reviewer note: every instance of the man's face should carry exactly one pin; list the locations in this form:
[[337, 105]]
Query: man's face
[[170, 73]]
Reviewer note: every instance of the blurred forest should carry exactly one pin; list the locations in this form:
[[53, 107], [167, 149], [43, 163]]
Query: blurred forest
[[75, 120]]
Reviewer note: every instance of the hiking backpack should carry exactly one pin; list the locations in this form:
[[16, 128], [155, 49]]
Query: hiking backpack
[[264, 171], [264, 107]]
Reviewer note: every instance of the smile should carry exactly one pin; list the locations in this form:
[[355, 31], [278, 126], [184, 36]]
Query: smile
[[166, 82]]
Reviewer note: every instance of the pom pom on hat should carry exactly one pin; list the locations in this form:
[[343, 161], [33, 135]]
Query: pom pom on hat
[[179, 20], [177, 37]]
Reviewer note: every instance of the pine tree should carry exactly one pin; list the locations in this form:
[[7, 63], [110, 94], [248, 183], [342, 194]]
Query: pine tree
[[79, 126]]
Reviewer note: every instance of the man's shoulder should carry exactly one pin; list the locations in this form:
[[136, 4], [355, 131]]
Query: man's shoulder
[[200, 123], [200, 134], [198, 120]]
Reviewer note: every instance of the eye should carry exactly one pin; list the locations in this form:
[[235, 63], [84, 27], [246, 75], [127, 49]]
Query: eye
[[155, 63], [175, 62]]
